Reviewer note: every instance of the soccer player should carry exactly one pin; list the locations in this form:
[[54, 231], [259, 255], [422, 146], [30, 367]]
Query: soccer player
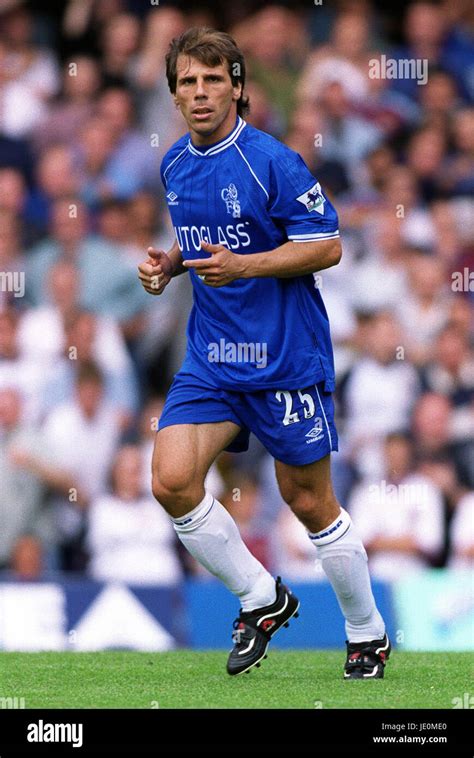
[[252, 226]]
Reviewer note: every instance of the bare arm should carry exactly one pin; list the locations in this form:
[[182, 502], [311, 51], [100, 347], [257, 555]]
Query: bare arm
[[403, 544], [52, 476], [289, 260], [293, 259]]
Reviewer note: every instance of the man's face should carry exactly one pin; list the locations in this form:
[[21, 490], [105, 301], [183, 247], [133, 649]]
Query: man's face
[[206, 97]]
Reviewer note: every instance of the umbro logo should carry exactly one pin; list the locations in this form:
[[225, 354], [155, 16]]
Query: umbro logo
[[172, 197], [316, 433]]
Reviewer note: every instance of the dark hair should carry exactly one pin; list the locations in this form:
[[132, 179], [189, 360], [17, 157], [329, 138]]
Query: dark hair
[[210, 47]]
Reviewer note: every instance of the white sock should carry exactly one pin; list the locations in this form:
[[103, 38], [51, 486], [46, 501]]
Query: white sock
[[211, 535], [344, 561]]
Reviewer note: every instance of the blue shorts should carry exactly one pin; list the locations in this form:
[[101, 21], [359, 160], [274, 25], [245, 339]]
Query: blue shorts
[[295, 426]]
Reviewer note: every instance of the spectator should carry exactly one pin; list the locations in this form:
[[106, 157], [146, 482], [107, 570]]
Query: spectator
[[106, 284], [426, 34], [275, 42], [304, 126], [99, 180], [435, 434], [379, 395], [130, 538], [425, 309], [359, 202], [119, 44], [18, 370], [453, 231], [402, 198], [56, 177], [458, 177], [439, 99], [84, 336], [426, 154], [68, 114], [346, 137], [23, 514], [462, 541], [440, 469], [133, 153], [29, 65], [400, 517], [263, 114], [460, 316], [12, 261], [78, 442], [42, 330], [12, 190], [20, 112], [451, 371], [389, 110], [83, 23], [157, 114], [112, 221], [379, 281], [344, 60]]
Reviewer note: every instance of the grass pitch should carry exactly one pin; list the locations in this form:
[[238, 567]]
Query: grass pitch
[[189, 679]]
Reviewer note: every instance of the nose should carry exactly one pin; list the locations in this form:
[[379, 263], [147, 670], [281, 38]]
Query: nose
[[200, 88]]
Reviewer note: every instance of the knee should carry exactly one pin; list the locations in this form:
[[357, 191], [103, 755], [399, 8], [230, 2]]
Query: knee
[[176, 491], [314, 510], [304, 504], [299, 499]]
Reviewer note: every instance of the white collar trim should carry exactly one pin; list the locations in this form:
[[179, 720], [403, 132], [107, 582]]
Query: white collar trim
[[223, 144]]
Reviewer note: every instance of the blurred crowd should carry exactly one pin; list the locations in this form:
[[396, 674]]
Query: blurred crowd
[[86, 356]]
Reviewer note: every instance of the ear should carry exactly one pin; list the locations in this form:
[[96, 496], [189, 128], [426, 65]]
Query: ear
[[237, 91]]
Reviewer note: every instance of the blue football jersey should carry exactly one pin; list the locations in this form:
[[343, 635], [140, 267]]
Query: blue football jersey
[[251, 193]]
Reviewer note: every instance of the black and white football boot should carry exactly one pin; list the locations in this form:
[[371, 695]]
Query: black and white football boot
[[253, 630], [366, 660]]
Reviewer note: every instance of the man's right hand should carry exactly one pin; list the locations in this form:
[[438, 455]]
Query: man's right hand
[[156, 272]]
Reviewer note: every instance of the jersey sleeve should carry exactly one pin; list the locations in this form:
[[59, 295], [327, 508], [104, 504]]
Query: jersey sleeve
[[297, 202], [163, 168], [170, 158]]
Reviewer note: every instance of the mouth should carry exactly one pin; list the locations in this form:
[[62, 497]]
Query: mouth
[[202, 113]]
